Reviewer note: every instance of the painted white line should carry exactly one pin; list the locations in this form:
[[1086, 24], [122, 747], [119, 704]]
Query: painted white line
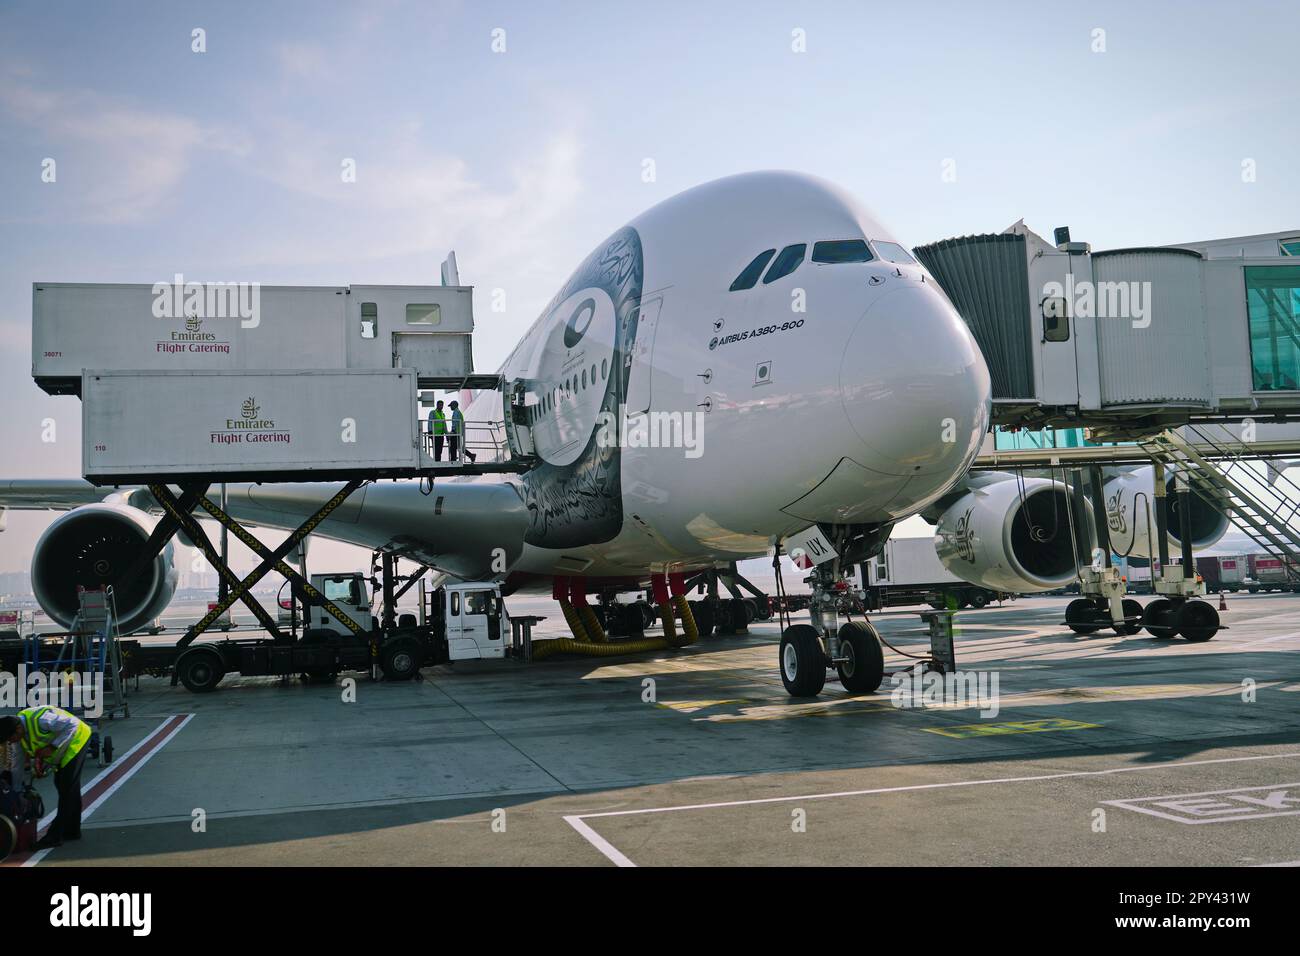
[[151, 740], [1288, 863], [599, 842], [577, 821]]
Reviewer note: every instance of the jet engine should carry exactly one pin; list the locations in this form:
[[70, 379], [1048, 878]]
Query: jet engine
[[1131, 515], [1010, 535], [91, 547]]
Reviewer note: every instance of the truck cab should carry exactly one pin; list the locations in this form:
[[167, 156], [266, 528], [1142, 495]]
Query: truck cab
[[471, 618], [348, 591]]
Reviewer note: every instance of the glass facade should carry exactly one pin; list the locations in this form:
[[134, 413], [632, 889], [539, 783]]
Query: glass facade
[[1273, 311]]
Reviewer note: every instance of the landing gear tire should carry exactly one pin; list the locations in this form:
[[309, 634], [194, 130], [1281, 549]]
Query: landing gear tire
[[1198, 621], [704, 617], [1079, 611], [1131, 609], [1153, 616], [400, 660], [803, 662], [740, 615], [864, 666], [200, 671]]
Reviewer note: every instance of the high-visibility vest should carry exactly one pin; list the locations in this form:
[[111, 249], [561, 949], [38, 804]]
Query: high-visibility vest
[[439, 420], [34, 739]]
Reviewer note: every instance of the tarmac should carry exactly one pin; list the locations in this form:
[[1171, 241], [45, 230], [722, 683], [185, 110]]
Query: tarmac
[[1092, 750]]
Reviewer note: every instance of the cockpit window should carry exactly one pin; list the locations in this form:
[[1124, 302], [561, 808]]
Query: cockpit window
[[842, 250], [749, 275], [893, 252], [789, 260]]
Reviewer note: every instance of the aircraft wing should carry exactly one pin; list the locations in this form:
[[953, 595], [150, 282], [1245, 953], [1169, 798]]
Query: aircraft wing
[[469, 529]]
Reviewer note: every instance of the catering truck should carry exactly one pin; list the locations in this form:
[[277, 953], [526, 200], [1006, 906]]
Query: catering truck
[[908, 571], [457, 622]]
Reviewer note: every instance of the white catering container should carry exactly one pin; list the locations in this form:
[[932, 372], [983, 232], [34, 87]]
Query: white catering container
[[215, 326], [248, 425]]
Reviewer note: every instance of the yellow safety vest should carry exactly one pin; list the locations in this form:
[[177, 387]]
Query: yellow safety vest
[[439, 420], [35, 739]]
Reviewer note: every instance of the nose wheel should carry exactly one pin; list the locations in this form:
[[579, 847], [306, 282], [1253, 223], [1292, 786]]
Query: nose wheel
[[803, 662]]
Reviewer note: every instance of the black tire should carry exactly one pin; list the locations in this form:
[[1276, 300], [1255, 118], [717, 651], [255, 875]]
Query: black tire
[[865, 667], [739, 615], [802, 661], [1198, 621], [200, 671], [108, 750], [406, 620], [979, 599], [400, 658], [1077, 611], [649, 613], [1131, 609], [704, 616], [8, 836], [1158, 606], [751, 611], [319, 635]]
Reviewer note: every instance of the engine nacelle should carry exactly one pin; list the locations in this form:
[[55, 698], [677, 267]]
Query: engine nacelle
[[89, 547], [1010, 535], [1131, 511]]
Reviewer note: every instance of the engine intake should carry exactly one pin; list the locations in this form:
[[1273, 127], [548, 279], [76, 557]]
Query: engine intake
[[1010, 535], [90, 547], [1130, 512]]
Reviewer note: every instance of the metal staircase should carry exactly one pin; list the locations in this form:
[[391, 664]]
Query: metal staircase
[[1217, 466]]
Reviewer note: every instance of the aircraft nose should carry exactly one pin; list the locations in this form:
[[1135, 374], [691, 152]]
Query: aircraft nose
[[914, 384]]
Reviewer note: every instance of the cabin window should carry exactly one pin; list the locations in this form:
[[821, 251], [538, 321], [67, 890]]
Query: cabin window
[[833, 251], [749, 275], [417, 314], [369, 320], [790, 259]]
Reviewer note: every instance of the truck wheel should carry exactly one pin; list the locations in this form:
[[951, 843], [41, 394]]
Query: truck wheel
[[864, 667], [803, 662], [400, 660], [200, 671], [979, 599]]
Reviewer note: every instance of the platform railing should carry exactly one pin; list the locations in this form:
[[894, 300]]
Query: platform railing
[[482, 439]]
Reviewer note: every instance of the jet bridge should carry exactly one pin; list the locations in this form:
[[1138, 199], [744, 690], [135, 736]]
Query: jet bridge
[[183, 381], [1133, 340]]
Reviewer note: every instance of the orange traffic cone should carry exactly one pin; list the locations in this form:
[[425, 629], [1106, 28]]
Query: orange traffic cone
[[1223, 604]]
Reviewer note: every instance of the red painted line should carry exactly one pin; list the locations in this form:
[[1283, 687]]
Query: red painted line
[[121, 768]]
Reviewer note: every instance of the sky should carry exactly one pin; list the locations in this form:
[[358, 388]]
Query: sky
[[519, 134]]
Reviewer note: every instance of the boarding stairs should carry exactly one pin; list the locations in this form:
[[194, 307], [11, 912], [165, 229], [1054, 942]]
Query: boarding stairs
[[1217, 465]]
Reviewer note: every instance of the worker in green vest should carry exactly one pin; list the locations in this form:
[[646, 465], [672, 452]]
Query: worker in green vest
[[438, 428], [59, 739]]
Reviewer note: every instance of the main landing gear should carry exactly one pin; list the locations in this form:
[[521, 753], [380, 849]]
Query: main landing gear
[[809, 650]]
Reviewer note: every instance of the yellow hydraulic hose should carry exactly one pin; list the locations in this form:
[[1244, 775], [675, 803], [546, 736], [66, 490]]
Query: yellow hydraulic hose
[[574, 621], [563, 645], [689, 627], [592, 624]]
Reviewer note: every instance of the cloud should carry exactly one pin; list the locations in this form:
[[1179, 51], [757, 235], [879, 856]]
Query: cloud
[[134, 158]]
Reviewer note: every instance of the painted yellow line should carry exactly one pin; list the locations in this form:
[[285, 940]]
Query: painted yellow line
[[964, 731]]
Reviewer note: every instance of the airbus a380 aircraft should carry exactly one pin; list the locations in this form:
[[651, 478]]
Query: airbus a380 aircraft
[[817, 373]]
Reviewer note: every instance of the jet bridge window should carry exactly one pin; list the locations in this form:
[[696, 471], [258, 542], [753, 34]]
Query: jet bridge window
[[893, 252], [749, 275], [790, 259], [1273, 313], [417, 314], [369, 320], [1289, 247], [832, 251]]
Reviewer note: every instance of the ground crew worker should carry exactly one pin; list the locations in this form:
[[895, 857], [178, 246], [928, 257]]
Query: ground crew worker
[[438, 428], [458, 432], [59, 739]]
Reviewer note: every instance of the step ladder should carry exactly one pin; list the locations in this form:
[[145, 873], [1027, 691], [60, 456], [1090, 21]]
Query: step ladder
[[1218, 468], [89, 648]]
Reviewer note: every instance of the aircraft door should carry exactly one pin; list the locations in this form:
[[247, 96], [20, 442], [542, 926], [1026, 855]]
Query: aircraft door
[[642, 364]]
